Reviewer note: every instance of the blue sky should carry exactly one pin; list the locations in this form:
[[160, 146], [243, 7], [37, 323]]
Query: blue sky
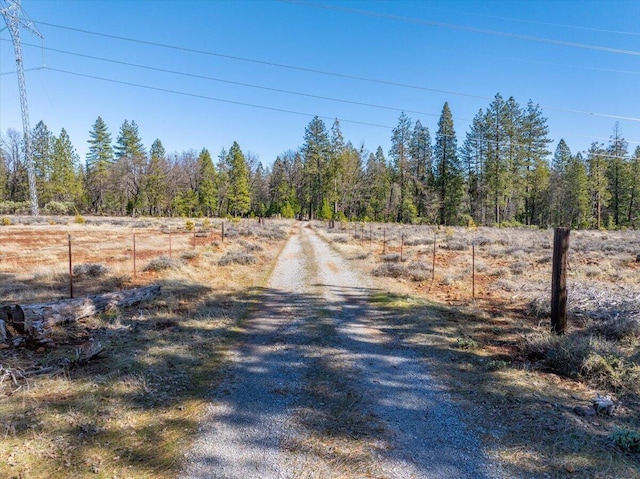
[[442, 47]]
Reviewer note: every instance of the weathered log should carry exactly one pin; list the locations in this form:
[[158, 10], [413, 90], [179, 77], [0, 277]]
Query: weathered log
[[36, 319]]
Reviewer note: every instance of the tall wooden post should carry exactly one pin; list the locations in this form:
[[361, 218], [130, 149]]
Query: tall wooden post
[[70, 271], [384, 240], [134, 255], [433, 260], [170, 248], [222, 234], [473, 269], [401, 245], [559, 281]]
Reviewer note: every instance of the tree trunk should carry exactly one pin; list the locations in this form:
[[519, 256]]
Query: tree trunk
[[36, 319]]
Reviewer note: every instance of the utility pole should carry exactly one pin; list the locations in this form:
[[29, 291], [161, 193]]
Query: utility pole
[[14, 17]]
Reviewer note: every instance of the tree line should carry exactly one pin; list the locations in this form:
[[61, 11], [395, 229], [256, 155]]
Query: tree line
[[502, 174]]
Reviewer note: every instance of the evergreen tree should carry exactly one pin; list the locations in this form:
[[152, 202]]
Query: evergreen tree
[[65, 184], [559, 184], [534, 142], [400, 157], [496, 164], [421, 166], [316, 153], [259, 188], [633, 207], [42, 150], [598, 185], [577, 197], [618, 174], [238, 195], [474, 156], [379, 185], [131, 159], [156, 186], [448, 177], [206, 185], [99, 161]]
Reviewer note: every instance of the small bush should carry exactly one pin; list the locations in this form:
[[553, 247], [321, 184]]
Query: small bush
[[390, 257], [191, 254], [390, 270], [250, 247], [466, 343], [496, 364], [93, 270], [518, 268], [237, 257], [343, 239], [422, 241], [79, 219], [162, 263], [5, 221], [57, 208], [616, 329], [419, 271], [626, 440], [456, 245], [189, 225]]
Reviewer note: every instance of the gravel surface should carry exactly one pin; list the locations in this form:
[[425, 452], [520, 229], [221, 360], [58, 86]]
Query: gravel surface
[[319, 390]]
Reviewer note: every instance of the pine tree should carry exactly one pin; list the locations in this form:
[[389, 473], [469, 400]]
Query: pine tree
[[206, 185], [400, 156], [421, 166], [598, 185], [42, 150], [577, 195], [99, 161], [65, 184], [474, 156], [534, 142], [618, 174], [448, 176], [633, 208], [131, 160], [316, 153], [559, 185], [238, 195], [156, 186]]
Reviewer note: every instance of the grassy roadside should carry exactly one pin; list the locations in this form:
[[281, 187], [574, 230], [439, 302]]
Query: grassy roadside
[[524, 410], [133, 411]]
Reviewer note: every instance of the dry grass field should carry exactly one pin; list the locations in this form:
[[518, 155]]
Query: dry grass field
[[529, 392], [131, 412]]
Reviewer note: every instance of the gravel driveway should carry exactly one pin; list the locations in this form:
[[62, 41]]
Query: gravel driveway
[[318, 389]]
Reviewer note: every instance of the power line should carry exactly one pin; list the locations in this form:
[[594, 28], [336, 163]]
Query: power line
[[262, 107], [205, 97], [243, 84], [322, 72], [548, 24], [463, 28]]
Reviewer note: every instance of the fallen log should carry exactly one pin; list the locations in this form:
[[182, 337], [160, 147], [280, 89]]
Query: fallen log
[[35, 319]]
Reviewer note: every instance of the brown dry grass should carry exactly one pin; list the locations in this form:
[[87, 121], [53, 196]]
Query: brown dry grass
[[521, 409], [133, 411]]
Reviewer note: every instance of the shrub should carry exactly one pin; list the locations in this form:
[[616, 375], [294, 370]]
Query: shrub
[[93, 270], [163, 263], [518, 268], [237, 257], [626, 440], [5, 221], [419, 271], [456, 245], [390, 257], [250, 247], [466, 343], [79, 219], [189, 225], [340, 239], [57, 208], [617, 328], [390, 270]]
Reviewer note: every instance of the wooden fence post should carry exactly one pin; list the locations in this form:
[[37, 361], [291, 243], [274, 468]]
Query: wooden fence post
[[473, 269], [433, 260], [559, 281], [170, 249], [384, 240], [70, 270], [401, 245], [134, 255], [222, 236]]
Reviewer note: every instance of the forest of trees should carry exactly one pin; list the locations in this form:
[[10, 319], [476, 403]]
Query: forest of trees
[[502, 174]]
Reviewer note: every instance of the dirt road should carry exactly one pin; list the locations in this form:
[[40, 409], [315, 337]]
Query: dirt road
[[319, 389]]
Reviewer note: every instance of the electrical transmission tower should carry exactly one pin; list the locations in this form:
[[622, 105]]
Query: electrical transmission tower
[[14, 17]]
